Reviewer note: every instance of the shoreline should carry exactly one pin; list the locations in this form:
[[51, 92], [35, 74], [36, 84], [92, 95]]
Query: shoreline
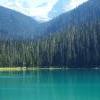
[[12, 69]]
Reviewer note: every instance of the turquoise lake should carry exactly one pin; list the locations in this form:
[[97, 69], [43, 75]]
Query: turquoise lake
[[50, 85]]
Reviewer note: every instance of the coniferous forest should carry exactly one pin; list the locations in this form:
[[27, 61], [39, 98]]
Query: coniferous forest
[[70, 40]]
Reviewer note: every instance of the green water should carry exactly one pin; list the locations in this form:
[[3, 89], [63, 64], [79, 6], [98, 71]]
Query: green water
[[50, 85]]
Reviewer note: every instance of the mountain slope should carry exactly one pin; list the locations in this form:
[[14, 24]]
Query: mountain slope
[[70, 40], [77, 36], [16, 25], [81, 15]]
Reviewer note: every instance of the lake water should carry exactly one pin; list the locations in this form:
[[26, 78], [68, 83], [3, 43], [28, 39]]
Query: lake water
[[50, 85]]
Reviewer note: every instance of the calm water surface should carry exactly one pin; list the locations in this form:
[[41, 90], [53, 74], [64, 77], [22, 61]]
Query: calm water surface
[[50, 85]]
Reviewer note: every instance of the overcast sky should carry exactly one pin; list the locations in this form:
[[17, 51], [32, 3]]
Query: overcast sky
[[41, 9]]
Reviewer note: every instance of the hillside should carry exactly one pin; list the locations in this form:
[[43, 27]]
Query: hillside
[[72, 39], [14, 25]]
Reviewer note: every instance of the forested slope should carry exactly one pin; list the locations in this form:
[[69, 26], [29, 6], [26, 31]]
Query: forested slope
[[70, 40]]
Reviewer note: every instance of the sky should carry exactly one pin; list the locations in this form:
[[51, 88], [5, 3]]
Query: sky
[[42, 10]]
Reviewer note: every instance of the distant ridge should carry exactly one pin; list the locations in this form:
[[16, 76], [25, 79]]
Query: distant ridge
[[16, 25]]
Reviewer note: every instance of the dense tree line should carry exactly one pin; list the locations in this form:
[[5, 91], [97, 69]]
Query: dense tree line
[[77, 46], [72, 39]]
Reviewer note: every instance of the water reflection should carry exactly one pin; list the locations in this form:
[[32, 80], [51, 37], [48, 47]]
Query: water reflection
[[50, 85]]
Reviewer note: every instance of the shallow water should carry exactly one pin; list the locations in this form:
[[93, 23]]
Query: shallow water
[[50, 85]]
